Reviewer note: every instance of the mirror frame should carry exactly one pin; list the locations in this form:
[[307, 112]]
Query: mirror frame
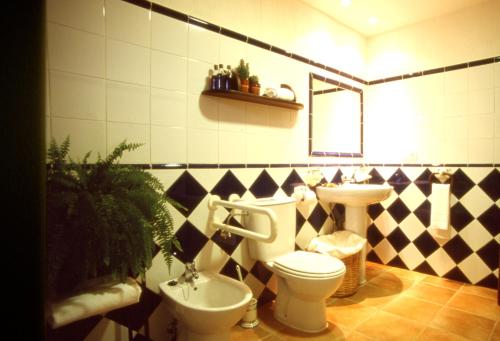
[[338, 84]]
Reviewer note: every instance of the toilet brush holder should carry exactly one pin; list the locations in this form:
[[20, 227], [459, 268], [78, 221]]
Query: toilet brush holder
[[250, 320]]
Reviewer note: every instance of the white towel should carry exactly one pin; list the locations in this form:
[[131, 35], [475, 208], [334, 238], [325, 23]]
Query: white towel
[[95, 302], [440, 213]]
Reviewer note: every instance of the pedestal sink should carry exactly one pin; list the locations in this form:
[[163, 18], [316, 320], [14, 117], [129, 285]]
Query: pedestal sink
[[355, 197]]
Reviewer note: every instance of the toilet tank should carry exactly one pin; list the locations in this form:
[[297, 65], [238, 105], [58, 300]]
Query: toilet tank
[[285, 240]]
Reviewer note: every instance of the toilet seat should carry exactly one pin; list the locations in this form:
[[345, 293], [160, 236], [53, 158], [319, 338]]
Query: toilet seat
[[309, 265]]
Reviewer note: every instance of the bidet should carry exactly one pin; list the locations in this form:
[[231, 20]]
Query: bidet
[[209, 312]]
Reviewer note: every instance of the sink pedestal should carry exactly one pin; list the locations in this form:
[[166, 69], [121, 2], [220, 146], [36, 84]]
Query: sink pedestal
[[356, 198], [356, 220]]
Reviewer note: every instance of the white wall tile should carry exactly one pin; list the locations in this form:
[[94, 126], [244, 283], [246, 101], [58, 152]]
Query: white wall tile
[[75, 51], [84, 136], [481, 77], [481, 101], [456, 104], [481, 150], [126, 62], [203, 146], [132, 133], [169, 35], [232, 116], [232, 147], [168, 108], [203, 45], [127, 103], [481, 126], [168, 145], [497, 74], [75, 96], [127, 22], [456, 127], [85, 15], [168, 71], [202, 112], [198, 76], [231, 51], [455, 151], [456, 81], [496, 150]]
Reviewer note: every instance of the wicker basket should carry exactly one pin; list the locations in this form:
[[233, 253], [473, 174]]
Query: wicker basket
[[350, 284]]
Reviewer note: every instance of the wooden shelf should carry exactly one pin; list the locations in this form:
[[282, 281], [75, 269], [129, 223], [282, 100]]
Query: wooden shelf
[[248, 97]]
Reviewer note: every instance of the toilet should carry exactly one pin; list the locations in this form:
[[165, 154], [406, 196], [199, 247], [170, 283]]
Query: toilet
[[305, 279]]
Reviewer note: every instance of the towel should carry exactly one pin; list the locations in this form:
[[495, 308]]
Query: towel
[[340, 244], [94, 302], [440, 213]]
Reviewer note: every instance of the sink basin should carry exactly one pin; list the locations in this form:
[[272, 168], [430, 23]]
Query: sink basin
[[208, 308], [357, 195]]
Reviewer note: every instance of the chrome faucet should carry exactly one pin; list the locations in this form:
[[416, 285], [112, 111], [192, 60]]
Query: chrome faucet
[[190, 273], [360, 175]]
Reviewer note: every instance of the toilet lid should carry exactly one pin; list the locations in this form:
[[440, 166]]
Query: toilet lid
[[309, 264]]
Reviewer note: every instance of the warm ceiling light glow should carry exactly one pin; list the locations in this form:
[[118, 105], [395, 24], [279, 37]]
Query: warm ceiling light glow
[[373, 20], [345, 3]]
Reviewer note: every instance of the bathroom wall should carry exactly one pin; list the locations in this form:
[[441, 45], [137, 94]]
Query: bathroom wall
[[116, 70], [137, 74], [434, 100]]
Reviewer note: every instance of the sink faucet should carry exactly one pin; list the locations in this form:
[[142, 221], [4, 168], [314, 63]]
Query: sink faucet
[[190, 274], [360, 175]]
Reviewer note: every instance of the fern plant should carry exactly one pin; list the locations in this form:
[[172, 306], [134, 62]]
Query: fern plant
[[103, 219]]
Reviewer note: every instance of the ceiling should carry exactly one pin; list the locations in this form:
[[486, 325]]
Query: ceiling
[[391, 14]]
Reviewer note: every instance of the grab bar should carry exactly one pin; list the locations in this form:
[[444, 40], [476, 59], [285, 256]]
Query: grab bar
[[214, 202]]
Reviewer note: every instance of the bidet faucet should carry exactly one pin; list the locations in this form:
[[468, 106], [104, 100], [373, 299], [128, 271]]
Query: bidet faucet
[[190, 273]]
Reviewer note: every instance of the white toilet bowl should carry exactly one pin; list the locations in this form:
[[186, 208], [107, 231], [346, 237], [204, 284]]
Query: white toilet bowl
[[305, 280]]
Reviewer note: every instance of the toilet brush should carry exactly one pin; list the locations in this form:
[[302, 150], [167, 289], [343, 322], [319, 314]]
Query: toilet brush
[[249, 320]]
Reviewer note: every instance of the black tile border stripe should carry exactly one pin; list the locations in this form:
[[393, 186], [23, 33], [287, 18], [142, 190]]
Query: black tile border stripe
[[167, 166], [258, 43], [448, 68]]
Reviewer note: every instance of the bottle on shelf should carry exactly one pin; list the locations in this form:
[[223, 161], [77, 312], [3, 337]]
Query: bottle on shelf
[[223, 78], [215, 83], [229, 79]]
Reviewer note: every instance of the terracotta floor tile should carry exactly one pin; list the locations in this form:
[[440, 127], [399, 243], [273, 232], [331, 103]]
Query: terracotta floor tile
[[266, 319], [392, 282], [416, 276], [355, 336], [442, 282], [348, 313], [385, 326], [332, 333], [371, 295], [430, 292], [476, 305], [413, 308], [252, 334], [479, 291], [434, 334], [373, 270], [496, 333], [464, 324]]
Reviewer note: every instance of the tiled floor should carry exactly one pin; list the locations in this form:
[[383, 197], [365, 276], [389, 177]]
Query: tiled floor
[[397, 304]]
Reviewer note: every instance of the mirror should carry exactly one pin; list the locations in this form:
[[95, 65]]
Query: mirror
[[335, 118]]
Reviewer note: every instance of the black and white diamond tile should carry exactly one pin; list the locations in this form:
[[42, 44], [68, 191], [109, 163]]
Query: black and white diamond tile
[[397, 234], [471, 254]]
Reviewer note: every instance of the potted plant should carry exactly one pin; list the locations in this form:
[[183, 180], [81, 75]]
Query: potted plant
[[102, 219], [254, 85], [243, 71]]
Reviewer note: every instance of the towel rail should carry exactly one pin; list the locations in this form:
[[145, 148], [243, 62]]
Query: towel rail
[[442, 176], [214, 202]]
